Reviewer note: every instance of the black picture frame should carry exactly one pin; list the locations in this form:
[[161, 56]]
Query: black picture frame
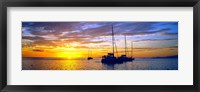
[[98, 3]]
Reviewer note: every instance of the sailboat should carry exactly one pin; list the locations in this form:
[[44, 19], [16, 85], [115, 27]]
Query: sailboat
[[110, 58], [89, 57], [124, 57]]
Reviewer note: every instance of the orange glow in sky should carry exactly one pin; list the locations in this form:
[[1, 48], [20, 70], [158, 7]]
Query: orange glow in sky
[[76, 40]]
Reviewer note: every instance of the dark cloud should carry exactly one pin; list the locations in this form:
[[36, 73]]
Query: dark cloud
[[155, 40], [173, 47], [81, 47], [87, 42], [38, 50], [168, 33], [151, 48], [32, 38]]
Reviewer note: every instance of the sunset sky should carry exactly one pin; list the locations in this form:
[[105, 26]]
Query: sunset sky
[[73, 40]]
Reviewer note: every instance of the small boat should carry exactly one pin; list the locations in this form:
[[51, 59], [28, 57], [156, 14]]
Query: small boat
[[89, 58], [89, 54]]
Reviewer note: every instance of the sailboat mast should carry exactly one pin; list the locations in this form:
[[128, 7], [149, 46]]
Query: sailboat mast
[[91, 53], [125, 44], [113, 39], [116, 49], [131, 49], [88, 52]]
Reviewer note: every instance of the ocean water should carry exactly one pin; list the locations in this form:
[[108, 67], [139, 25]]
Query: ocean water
[[95, 64]]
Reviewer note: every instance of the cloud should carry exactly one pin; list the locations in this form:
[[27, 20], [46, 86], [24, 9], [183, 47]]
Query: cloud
[[32, 38], [62, 33], [50, 28], [81, 47], [158, 48], [87, 42], [155, 40], [38, 50]]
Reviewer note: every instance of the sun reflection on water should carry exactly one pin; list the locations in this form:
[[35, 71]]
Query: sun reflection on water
[[95, 64]]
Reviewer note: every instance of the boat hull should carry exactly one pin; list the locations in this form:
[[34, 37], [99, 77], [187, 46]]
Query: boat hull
[[109, 60], [89, 58], [117, 60]]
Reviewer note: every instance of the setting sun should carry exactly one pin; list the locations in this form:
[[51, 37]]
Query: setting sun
[[72, 54]]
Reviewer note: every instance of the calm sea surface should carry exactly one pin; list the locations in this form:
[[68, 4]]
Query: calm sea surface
[[95, 64]]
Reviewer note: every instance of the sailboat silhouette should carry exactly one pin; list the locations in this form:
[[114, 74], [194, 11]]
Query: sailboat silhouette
[[110, 58], [89, 54], [124, 57]]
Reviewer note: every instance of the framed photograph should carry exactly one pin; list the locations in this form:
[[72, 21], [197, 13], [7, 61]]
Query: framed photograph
[[87, 45]]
